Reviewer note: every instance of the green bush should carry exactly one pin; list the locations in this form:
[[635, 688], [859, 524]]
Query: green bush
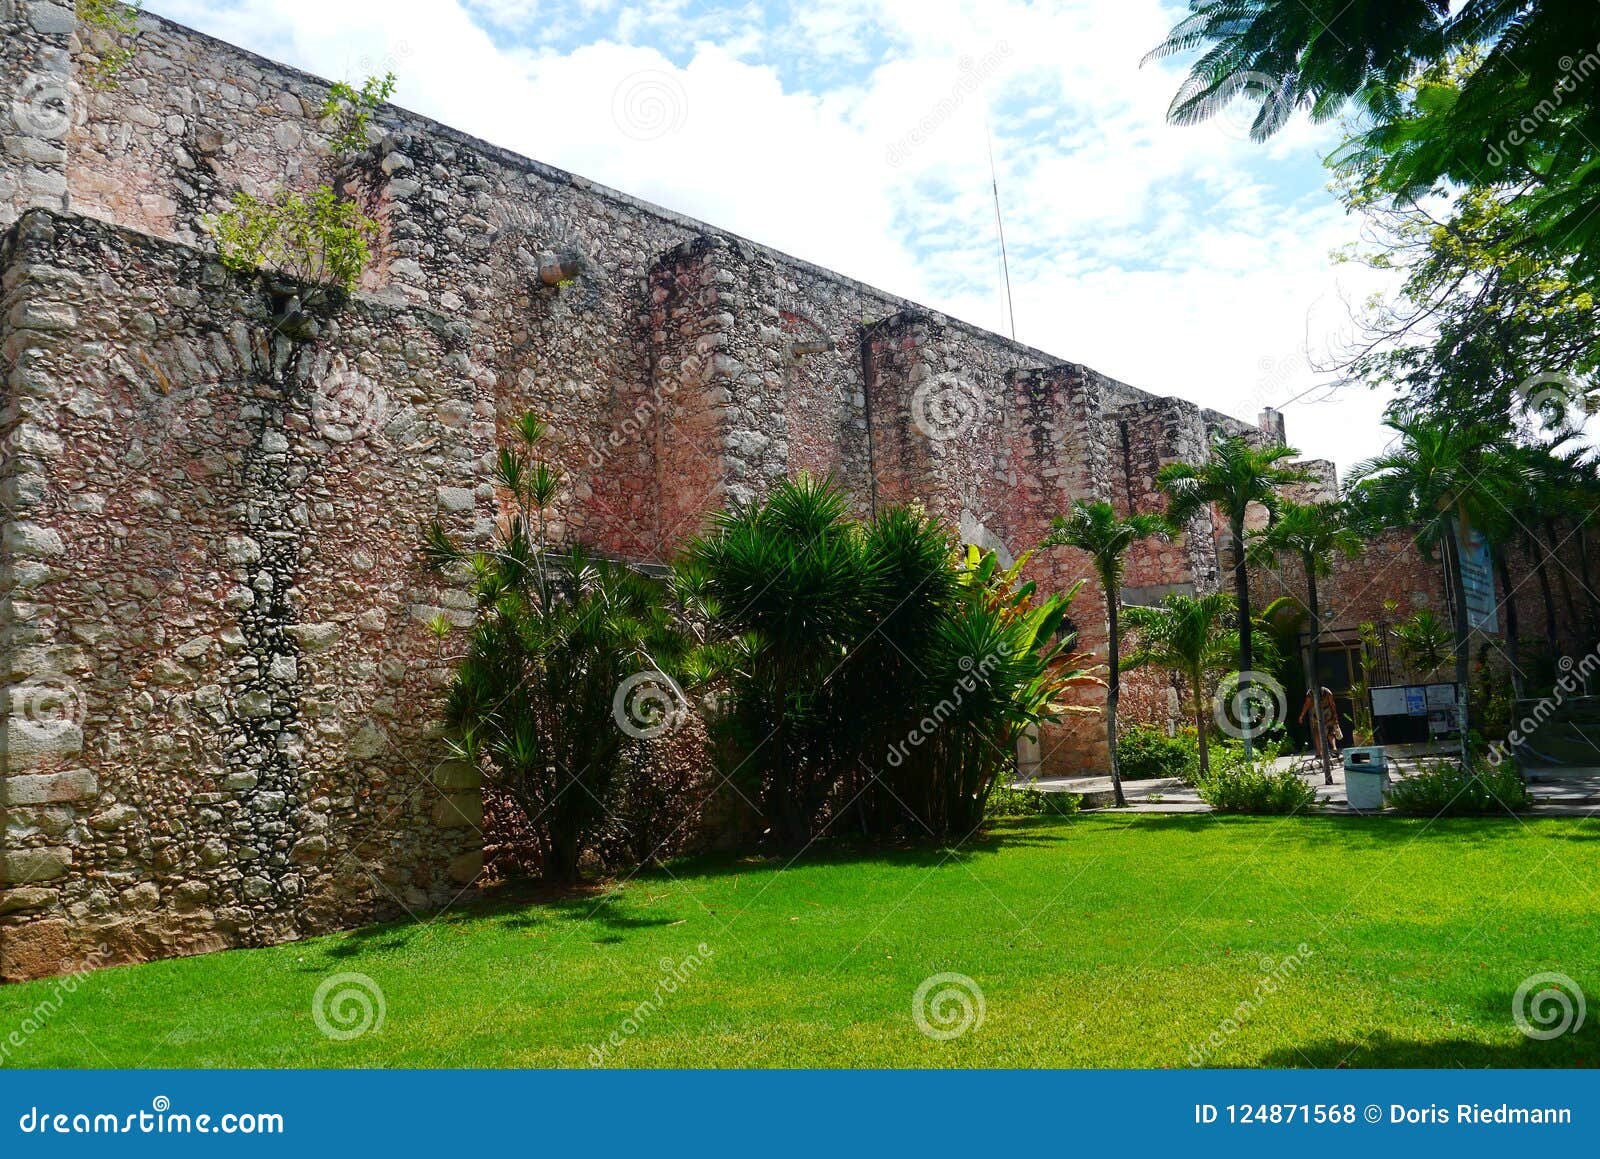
[[315, 237], [1235, 785], [1008, 800], [1446, 789], [1145, 752]]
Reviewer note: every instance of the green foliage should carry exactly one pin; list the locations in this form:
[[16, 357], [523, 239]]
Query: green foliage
[[115, 20], [315, 237], [868, 666], [1008, 800], [1483, 93], [1192, 636], [534, 703], [1146, 752], [1424, 642], [1237, 784], [1447, 789], [352, 109]]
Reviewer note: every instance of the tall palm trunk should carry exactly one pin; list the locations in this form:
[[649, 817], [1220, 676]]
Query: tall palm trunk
[[1197, 681], [1241, 589], [1113, 688], [1314, 669], [1458, 597]]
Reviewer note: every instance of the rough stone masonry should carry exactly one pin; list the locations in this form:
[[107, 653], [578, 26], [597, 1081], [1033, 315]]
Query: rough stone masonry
[[220, 688]]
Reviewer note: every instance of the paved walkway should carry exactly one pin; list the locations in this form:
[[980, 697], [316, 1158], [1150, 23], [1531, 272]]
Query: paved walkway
[[1557, 792]]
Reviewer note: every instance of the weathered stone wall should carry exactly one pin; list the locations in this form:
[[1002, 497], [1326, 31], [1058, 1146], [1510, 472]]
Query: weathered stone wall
[[214, 638], [218, 676]]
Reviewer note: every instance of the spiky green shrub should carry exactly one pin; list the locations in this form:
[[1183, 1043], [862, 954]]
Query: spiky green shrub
[[533, 704], [875, 677]]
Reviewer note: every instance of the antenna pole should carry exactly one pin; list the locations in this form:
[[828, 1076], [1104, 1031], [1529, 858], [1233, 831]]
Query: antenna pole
[[1000, 227]]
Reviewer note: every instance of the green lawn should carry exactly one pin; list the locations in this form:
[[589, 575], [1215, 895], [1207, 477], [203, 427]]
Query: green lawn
[[1098, 941]]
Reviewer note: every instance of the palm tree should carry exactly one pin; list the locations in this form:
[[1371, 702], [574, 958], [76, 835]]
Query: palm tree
[[1235, 476], [1437, 481], [1188, 635], [1094, 529], [1310, 533]]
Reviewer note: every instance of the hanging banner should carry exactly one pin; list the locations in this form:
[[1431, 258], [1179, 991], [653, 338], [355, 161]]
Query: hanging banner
[[1477, 579]]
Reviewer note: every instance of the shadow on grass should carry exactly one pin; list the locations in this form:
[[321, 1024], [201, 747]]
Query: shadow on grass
[[1581, 1050]]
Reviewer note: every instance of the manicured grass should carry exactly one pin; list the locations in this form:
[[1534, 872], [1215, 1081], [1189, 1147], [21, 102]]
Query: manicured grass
[[1097, 941]]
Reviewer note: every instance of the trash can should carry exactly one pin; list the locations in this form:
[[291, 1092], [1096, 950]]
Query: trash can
[[1366, 776]]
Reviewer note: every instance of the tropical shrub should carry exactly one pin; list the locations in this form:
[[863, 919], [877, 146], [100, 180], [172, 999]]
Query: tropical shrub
[[315, 237], [1447, 789], [1146, 752], [873, 675], [533, 704], [1011, 800], [1237, 784]]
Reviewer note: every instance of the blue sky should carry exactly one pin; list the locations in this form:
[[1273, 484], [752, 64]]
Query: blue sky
[[854, 133]]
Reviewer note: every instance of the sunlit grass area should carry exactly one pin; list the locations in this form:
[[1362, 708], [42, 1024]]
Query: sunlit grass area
[[1098, 941]]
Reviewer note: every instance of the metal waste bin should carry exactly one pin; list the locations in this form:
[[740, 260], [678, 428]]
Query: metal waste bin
[[1366, 777]]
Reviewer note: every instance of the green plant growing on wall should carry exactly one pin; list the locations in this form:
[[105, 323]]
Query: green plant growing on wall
[[116, 20], [315, 237], [351, 109], [1424, 643]]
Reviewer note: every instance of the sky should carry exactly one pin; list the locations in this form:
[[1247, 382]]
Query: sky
[[856, 134]]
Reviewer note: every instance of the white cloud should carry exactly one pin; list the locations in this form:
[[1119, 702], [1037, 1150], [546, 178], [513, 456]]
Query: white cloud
[[1184, 261]]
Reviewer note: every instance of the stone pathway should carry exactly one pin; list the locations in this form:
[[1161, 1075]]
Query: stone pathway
[[1557, 791]]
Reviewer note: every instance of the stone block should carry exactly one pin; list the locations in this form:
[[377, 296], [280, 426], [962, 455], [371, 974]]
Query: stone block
[[459, 811], [26, 866], [48, 788]]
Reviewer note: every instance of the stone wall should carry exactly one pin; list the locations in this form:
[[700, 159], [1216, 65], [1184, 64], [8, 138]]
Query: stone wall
[[215, 644], [219, 678]]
